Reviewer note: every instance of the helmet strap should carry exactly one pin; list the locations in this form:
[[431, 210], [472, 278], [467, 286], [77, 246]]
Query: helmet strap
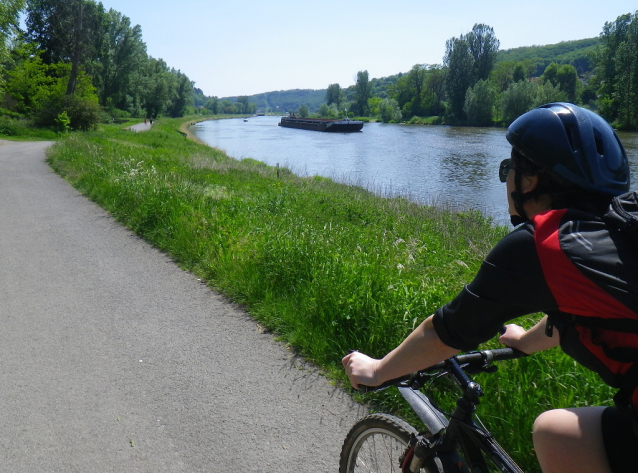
[[519, 198]]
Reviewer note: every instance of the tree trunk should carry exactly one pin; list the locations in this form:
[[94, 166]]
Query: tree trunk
[[75, 60]]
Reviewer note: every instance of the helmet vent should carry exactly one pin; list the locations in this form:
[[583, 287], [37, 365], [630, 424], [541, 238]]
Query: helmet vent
[[570, 137], [600, 147]]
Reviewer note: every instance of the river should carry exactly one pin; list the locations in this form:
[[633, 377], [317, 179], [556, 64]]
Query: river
[[453, 166]]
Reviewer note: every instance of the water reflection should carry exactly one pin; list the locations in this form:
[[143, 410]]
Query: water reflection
[[451, 165]]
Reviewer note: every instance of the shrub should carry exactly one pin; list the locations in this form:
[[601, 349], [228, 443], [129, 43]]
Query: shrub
[[8, 129], [84, 113]]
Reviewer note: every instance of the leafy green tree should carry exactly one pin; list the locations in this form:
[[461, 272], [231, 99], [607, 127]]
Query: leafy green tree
[[212, 104], [32, 82], [410, 91], [547, 93], [459, 63], [468, 59], [362, 93], [435, 90], [520, 97], [183, 97], [9, 26], [122, 58], [324, 110], [483, 46], [373, 105], [242, 104], [159, 88], [67, 31], [303, 111], [506, 72], [389, 111], [479, 103], [564, 76], [39, 91], [614, 34], [334, 94], [627, 79], [227, 107]]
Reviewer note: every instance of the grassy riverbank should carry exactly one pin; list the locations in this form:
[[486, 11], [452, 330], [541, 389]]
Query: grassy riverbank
[[327, 267]]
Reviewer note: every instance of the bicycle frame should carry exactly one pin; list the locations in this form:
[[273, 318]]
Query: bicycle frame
[[474, 440]]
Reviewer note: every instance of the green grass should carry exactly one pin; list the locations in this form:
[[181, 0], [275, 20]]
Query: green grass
[[17, 129], [328, 267]]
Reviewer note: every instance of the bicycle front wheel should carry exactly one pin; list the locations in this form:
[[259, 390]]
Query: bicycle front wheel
[[376, 444]]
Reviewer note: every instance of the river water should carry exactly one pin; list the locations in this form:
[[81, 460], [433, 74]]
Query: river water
[[453, 166]]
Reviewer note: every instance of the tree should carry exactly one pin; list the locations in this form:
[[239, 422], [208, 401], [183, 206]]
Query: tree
[[212, 104], [547, 93], [616, 65], [303, 111], [468, 59], [39, 91], [389, 111], [183, 97], [32, 82], [435, 89], [409, 90], [479, 103], [122, 58], [373, 105], [483, 46], [242, 104], [565, 77], [9, 26], [334, 94], [324, 110], [459, 63], [627, 80], [67, 31], [159, 88], [516, 100], [362, 92]]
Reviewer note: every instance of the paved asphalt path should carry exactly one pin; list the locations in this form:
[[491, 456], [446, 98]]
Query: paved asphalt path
[[140, 127], [112, 359]]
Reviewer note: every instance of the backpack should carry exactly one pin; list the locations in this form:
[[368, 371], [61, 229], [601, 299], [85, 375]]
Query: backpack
[[622, 215], [603, 324]]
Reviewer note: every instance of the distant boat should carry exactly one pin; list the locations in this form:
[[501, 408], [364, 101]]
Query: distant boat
[[321, 124], [245, 119]]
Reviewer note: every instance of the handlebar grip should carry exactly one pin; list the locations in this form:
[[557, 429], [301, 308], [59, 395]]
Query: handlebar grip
[[392, 382]]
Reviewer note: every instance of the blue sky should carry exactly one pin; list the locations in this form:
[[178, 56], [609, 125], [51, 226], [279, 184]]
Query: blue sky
[[230, 47]]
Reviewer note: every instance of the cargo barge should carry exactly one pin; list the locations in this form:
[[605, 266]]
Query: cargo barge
[[322, 124]]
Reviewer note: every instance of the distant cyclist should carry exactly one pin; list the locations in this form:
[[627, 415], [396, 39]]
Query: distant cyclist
[[574, 257]]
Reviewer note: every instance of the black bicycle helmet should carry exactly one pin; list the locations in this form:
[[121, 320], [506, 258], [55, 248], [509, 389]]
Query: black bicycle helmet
[[575, 144]]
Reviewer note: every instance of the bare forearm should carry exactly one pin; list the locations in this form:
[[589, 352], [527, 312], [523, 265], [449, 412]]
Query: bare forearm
[[421, 349], [532, 340]]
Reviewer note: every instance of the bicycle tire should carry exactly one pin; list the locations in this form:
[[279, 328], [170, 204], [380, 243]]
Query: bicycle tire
[[375, 444]]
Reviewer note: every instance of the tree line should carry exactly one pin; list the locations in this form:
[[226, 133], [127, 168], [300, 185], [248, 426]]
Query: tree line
[[76, 64], [471, 87]]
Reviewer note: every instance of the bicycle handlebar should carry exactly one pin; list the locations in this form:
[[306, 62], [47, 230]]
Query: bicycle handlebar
[[476, 360]]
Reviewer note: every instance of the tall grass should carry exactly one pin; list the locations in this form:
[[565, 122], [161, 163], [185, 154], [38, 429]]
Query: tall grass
[[326, 266]]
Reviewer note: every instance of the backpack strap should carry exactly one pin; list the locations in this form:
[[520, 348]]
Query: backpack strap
[[573, 291]]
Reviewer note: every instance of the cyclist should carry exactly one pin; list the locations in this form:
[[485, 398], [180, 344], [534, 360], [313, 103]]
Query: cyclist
[[571, 258]]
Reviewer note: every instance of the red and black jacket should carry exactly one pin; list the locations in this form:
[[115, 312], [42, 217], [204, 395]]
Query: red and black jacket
[[579, 269], [590, 272]]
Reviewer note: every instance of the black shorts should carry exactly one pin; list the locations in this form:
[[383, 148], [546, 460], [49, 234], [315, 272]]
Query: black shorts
[[621, 443]]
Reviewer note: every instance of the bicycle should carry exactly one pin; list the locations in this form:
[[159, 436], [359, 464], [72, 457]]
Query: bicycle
[[450, 443]]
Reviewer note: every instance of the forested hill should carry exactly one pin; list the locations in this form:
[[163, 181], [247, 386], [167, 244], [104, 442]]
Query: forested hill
[[575, 53]]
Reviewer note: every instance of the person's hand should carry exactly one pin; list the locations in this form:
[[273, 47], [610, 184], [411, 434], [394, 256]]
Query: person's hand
[[512, 336], [361, 369]]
